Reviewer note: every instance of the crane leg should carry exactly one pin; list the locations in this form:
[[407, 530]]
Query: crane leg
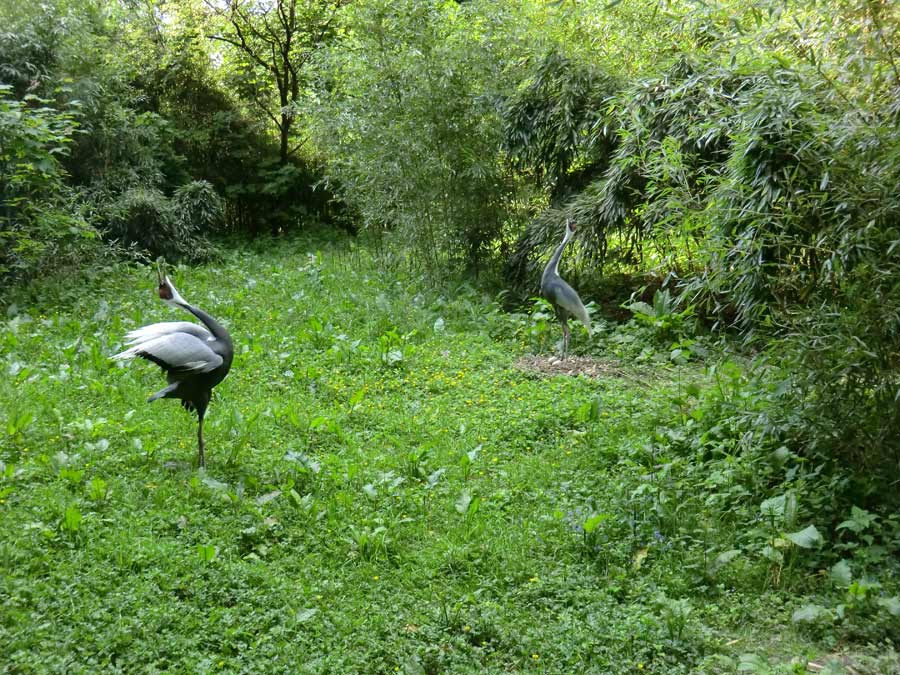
[[566, 336], [200, 444]]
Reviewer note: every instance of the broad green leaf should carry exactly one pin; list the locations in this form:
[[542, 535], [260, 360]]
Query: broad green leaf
[[462, 504], [72, 518], [207, 552], [305, 615], [594, 521], [641, 307], [772, 554], [98, 489], [790, 509], [435, 476], [211, 482], [781, 455], [583, 413], [413, 667], [723, 559], [859, 520], [810, 614], [304, 460], [596, 409], [891, 604], [841, 574], [806, 538], [269, 496], [357, 397], [773, 507]]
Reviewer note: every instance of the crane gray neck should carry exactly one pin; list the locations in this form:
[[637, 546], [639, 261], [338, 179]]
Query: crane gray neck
[[217, 329], [553, 265]]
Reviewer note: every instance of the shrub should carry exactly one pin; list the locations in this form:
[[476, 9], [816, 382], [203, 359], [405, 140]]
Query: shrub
[[555, 126], [197, 207], [410, 130], [144, 218], [642, 159], [40, 219]]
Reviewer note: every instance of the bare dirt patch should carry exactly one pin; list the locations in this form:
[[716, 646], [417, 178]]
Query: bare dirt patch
[[576, 365]]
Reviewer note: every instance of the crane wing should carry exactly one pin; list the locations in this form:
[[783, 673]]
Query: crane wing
[[566, 297], [156, 330], [178, 351]]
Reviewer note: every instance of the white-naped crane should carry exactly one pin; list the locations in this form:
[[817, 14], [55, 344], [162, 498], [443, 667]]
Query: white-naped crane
[[562, 296], [195, 358]]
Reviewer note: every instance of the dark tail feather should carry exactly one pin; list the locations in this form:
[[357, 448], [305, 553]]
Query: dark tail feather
[[163, 393]]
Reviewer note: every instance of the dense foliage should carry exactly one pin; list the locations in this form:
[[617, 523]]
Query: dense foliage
[[410, 130], [37, 217], [744, 156], [761, 187], [111, 114], [732, 167]]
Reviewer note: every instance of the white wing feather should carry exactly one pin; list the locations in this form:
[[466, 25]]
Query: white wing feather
[[177, 350], [157, 330]]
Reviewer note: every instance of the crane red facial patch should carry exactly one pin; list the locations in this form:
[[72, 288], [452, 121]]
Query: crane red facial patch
[[165, 291]]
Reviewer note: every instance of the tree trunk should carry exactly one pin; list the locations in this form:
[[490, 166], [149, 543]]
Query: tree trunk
[[285, 130]]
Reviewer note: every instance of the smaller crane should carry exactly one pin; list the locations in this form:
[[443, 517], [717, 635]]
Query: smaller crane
[[195, 358], [562, 296]]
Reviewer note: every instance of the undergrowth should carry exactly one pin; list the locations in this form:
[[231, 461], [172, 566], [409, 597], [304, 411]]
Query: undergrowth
[[387, 492]]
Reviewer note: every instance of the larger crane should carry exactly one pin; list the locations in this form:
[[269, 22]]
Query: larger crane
[[563, 297], [195, 358]]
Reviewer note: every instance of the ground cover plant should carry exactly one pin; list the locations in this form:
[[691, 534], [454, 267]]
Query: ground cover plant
[[387, 491], [404, 476]]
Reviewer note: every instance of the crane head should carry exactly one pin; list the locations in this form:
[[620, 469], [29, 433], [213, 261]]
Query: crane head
[[570, 230], [166, 289]]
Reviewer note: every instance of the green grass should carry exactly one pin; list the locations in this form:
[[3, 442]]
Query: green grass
[[385, 492]]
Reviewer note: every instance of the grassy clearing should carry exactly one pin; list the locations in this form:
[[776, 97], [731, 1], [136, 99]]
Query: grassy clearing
[[386, 492]]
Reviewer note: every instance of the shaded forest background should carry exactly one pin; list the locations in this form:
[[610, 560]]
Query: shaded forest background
[[743, 161]]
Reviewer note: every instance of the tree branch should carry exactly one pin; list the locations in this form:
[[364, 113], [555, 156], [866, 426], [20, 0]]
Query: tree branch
[[297, 147], [262, 106]]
